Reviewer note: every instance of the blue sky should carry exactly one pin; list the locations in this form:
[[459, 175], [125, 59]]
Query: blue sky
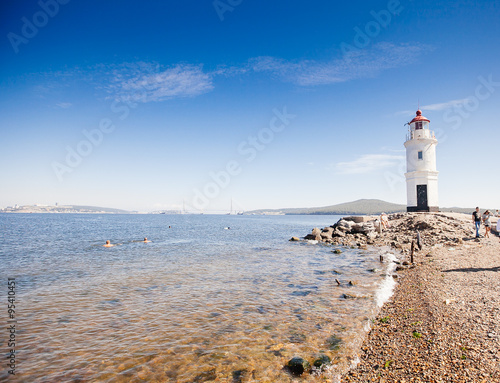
[[141, 105]]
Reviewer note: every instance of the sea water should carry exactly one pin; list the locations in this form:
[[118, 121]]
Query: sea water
[[210, 298]]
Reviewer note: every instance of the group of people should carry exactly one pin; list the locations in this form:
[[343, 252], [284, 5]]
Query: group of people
[[477, 218]]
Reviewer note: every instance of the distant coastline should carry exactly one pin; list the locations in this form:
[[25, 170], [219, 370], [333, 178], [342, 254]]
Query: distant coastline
[[64, 209], [358, 207]]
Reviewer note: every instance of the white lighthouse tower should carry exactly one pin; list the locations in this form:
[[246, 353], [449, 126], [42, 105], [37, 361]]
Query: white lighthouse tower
[[421, 175]]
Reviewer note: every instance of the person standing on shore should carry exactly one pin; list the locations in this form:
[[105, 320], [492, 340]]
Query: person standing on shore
[[476, 218], [487, 223]]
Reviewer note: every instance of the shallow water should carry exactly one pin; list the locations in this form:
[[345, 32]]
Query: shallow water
[[198, 303]]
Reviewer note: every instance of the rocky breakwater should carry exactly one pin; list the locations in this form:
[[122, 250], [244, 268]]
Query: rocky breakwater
[[426, 230], [349, 231]]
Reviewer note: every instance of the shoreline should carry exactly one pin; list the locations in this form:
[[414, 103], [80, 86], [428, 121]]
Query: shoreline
[[442, 322]]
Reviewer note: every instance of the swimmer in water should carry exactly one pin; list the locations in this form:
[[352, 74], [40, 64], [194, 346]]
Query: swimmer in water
[[108, 244], [146, 240]]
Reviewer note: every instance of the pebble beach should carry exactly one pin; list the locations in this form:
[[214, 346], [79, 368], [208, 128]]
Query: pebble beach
[[442, 323]]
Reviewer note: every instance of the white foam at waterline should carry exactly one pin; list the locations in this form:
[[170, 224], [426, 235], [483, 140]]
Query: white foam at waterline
[[386, 288]]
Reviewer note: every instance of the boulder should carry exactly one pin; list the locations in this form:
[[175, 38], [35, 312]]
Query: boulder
[[344, 225], [316, 231], [338, 233], [322, 360], [297, 366], [372, 236], [294, 239]]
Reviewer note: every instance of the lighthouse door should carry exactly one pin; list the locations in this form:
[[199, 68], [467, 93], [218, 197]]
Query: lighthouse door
[[422, 197]]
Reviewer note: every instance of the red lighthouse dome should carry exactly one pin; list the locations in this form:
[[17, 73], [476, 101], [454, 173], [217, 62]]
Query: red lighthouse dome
[[419, 117]]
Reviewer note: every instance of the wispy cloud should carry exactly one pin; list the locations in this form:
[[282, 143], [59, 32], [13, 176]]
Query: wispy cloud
[[437, 107], [151, 82], [446, 105], [369, 163], [360, 64], [64, 105], [143, 82]]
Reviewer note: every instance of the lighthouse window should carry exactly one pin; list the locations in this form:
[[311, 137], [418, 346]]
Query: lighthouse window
[[418, 125], [420, 155]]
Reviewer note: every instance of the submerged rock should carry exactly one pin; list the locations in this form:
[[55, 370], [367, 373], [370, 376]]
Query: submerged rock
[[322, 360], [238, 376], [333, 342], [206, 376], [297, 338], [297, 366]]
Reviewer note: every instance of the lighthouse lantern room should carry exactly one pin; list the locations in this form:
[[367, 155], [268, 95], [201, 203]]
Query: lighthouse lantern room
[[421, 175]]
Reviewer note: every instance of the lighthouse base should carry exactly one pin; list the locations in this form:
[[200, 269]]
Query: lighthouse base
[[415, 209]]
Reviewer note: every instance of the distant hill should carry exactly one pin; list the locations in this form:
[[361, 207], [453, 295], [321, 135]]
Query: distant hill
[[359, 207]]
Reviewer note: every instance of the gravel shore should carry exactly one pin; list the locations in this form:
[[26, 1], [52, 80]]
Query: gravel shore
[[443, 322]]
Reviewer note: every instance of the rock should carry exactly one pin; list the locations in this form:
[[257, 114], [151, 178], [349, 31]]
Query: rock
[[297, 338], [333, 342], [238, 376], [206, 376], [344, 225], [338, 233], [396, 245], [348, 296], [316, 231], [294, 239], [326, 235], [297, 366], [337, 251], [372, 236], [322, 360]]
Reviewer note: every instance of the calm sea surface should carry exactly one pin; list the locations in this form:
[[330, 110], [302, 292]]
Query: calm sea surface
[[199, 303]]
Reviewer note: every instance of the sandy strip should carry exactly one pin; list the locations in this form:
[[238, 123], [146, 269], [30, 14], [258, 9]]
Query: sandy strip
[[443, 322]]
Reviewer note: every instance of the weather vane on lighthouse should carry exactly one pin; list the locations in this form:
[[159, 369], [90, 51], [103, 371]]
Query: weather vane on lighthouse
[[421, 174]]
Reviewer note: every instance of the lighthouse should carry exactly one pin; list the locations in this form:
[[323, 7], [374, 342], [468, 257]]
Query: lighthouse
[[421, 174]]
